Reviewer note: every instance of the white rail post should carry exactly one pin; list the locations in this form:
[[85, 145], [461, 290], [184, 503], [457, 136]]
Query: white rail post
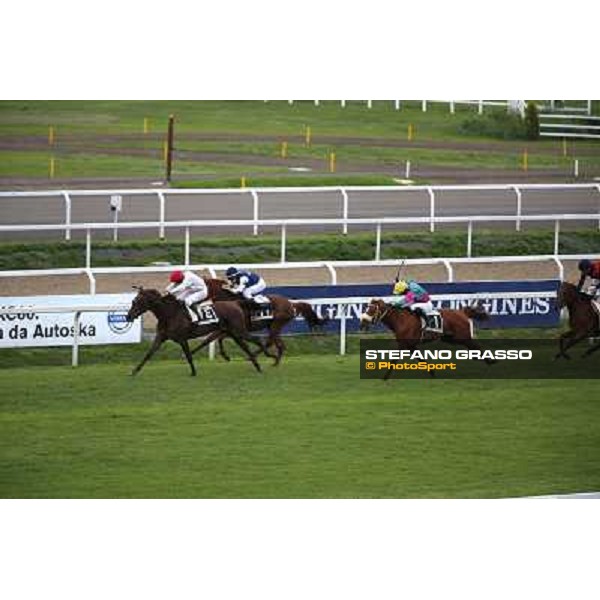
[[92, 281], [115, 225], [451, 107], [212, 350], [88, 248], [431, 209], [316, 102], [255, 208], [424, 105], [342, 307], [344, 210], [576, 168], [407, 171], [343, 103], [480, 109], [469, 239], [397, 104], [556, 234], [369, 103], [75, 352], [186, 257], [378, 243], [598, 188], [283, 241], [67, 216], [449, 270], [161, 217], [332, 273], [519, 208], [561, 268]]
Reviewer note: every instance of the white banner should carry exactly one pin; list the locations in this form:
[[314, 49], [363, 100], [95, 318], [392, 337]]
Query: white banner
[[26, 328]]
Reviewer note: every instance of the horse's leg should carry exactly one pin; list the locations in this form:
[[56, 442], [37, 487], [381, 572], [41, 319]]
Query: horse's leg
[[564, 342], [186, 350], [591, 350], [208, 339], [275, 339], [156, 344], [240, 341], [222, 352]]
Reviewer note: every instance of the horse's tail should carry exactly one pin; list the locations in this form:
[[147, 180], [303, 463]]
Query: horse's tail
[[476, 312], [305, 310]]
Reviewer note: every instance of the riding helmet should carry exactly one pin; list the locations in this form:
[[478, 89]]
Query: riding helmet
[[584, 265], [231, 272], [176, 277]]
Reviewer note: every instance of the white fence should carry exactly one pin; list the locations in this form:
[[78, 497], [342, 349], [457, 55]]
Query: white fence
[[589, 130], [254, 195], [285, 224], [343, 302]]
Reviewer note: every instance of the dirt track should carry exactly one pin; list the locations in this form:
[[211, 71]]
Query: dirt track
[[79, 284]]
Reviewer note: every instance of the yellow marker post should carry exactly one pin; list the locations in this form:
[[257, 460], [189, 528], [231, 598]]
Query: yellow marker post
[[284, 149], [52, 167], [332, 162], [307, 137], [50, 136], [165, 151], [146, 125], [525, 160], [243, 183], [410, 132]]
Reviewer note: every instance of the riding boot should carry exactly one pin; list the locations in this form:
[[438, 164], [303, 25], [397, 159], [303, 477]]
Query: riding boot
[[194, 308]]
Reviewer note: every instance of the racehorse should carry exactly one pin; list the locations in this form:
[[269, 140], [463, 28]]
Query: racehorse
[[283, 311], [407, 328], [583, 319], [175, 324]]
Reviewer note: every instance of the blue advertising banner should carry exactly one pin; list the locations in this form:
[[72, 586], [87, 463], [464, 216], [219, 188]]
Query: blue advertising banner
[[538, 310]]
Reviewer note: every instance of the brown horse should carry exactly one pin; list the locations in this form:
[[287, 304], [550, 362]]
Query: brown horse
[[407, 328], [583, 319], [283, 311], [175, 324]]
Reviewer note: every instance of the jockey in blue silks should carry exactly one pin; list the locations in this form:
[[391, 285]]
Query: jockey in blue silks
[[247, 284]]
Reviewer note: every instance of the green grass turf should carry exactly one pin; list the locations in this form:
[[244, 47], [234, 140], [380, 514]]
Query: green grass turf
[[308, 429]]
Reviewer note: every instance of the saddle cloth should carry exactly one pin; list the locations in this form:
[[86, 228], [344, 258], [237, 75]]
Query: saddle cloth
[[432, 322], [207, 313]]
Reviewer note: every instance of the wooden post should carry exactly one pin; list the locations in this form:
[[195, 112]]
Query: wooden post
[[332, 162], [307, 137], [146, 128], [243, 183], [52, 167], [51, 136], [284, 149], [410, 132], [525, 160], [169, 149]]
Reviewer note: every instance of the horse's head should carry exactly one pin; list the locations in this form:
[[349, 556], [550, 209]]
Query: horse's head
[[144, 301], [565, 295], [375, 312]]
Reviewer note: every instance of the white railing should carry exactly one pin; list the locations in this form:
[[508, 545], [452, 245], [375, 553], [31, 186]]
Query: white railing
[[343, 302], [332, 267], [285, 224], [254, 195]]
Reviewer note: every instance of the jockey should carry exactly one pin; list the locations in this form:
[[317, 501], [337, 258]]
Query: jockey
[[589, 269], [412, 296], [246, 283], [188, 287]]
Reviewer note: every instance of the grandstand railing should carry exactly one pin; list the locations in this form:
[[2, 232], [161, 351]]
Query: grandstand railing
[[78, 309], [254, 195]]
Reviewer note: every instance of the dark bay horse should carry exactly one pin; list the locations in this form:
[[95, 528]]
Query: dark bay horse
[[284, 310], [583, 319], [175, 324], [407, 328]]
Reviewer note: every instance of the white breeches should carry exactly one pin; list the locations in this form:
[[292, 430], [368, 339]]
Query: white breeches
[[426, 307], [195, 297], [257, 288]]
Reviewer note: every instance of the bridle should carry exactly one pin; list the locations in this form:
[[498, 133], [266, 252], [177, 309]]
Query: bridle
[[379, 313]]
